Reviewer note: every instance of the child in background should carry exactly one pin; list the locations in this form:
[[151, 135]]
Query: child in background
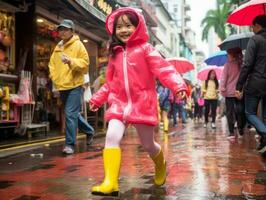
[[131, 94]]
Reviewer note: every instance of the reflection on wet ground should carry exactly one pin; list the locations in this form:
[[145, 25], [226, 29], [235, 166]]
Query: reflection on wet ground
[[202, 164]]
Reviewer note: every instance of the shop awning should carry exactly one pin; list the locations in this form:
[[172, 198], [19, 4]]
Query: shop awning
[[72, 10], [16, 5]]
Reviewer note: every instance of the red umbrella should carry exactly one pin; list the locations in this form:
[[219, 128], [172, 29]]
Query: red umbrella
[[181, 64], [244, 15]]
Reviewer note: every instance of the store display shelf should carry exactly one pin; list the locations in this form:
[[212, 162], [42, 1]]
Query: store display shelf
[[8, 121], [8, 77]]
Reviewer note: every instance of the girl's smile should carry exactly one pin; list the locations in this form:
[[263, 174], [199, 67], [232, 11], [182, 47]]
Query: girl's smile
[[124, 28]]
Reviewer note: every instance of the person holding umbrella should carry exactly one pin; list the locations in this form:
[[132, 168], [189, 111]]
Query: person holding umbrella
[[253, 77], [234, 106], [210, 90]]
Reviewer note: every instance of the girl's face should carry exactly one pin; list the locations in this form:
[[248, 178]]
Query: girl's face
[[212, 75], [124, 28]]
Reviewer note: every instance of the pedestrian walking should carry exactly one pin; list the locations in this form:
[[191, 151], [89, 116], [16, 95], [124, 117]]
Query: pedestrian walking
[[234, 107], [210, 90], [252, 79], [198, 103], [131, 94], [165, 105], [178, 108], [68, 64]]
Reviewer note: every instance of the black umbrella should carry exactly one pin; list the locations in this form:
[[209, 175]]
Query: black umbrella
[[236, 40]]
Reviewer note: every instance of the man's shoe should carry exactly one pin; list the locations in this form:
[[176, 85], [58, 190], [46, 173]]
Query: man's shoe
[[213, 126], [89, 139], [231, 136], [240, 133], [262, 146], [68, 150]]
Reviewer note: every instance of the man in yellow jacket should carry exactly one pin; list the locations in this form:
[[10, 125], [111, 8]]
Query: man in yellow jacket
[[68, 64]]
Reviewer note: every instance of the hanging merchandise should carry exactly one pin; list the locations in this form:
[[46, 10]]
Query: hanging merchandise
[[5, 103], [7, 30], [24, 95]]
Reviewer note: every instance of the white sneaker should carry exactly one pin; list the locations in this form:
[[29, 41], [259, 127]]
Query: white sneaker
[[205, 125], [231, 137], [213, 125], [68, 150]]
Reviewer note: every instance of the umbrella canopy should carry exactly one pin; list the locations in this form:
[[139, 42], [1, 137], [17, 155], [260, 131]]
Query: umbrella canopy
[[203, 73], [244, 15], [181, 64], [218, 59], [236, 40]]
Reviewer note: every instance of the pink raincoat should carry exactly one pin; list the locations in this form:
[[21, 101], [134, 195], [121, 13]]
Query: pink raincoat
[[130, 77]]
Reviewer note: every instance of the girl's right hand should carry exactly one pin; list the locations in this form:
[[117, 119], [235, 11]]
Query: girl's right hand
[[93, 107]]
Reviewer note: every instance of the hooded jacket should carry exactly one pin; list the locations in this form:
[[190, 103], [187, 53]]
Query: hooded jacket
[[253, 72], [64, 76], [229, 78], [130, 77]]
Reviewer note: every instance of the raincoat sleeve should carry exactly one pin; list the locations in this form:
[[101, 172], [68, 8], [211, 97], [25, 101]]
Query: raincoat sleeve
[[52, 67], [101, 96], [81, 62], [224, 80], [164, 71], [248, 64]]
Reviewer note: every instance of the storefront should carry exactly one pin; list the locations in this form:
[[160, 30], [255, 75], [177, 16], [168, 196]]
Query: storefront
[[8, 77], [35, 29]]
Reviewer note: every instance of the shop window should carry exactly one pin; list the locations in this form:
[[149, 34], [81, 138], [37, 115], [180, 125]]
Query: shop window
[[7, 32], [7, 68], [47, 104]]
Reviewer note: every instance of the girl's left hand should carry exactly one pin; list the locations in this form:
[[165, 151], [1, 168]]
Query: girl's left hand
[[181, 94], [93, 107]]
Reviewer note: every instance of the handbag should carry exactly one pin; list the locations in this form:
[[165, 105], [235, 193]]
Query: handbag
[[87, 94], [87, 91], [201, 102]]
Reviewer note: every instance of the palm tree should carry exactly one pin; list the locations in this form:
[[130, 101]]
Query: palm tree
[[216, 18]]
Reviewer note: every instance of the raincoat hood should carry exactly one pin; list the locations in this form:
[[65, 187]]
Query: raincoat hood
[[140, 35], [60, 44]]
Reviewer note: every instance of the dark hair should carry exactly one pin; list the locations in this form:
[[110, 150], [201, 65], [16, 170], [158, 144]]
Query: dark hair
[[215, 80], [261, 20], [234, 52], [133, 18]]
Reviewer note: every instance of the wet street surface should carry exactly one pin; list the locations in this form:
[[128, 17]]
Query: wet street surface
[[202, 164]]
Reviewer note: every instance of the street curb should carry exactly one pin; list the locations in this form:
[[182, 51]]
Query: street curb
[[5, 152]]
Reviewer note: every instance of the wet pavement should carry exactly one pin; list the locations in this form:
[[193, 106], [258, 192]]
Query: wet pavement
[[202, 164]]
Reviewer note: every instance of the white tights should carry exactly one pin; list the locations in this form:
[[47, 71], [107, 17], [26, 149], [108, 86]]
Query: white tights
[[116, 130]]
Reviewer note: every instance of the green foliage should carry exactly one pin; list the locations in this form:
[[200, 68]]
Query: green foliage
[[216, 18]]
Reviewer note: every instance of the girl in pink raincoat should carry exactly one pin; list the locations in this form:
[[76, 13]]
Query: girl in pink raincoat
[[131, 94]]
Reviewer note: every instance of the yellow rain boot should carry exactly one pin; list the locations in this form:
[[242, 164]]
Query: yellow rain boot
[[160, 168], [165, 124], [111, 160]]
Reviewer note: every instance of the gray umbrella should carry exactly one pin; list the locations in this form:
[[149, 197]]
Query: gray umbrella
[[237, 40]]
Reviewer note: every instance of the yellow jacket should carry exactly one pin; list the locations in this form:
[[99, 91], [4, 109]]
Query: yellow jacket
[[70, 76], [211, 92]]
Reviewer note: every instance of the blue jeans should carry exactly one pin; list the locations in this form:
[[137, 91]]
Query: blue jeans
[[72, 104], [180, 109], [84, 126], [251, 108]]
